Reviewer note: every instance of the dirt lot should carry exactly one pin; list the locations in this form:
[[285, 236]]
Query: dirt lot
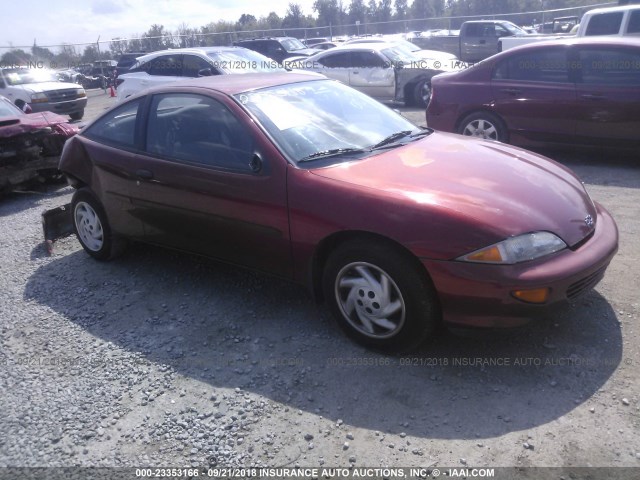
[[165, 359]]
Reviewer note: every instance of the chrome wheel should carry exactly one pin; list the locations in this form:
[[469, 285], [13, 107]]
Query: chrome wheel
[[88, 226], [370, 300], [481, 128]]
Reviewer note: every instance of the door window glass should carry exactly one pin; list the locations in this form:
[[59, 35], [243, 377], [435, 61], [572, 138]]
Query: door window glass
[[366, 60], [604, 24], [538, 66], [336, 60], [198, 130], [193, 64], [166, 65]]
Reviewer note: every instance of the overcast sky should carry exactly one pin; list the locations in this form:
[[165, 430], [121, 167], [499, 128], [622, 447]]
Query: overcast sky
[[52, 22]]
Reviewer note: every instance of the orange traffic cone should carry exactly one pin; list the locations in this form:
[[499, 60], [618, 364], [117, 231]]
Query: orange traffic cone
[[112, 91]]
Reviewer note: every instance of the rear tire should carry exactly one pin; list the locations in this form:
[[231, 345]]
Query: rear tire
[[484, 125], [379, 297], [92, 228]]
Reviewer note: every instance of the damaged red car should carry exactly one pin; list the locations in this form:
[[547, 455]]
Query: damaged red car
[[398, 228], [30, 144]]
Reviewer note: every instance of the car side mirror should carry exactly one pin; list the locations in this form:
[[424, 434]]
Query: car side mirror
[[205, 72]]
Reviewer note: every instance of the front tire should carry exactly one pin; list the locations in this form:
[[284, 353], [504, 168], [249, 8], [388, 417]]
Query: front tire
[[77, 115], [92, 227], [422, 93], [379, 297], [484, 125]]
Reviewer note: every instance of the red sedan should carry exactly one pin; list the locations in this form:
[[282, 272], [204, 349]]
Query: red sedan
[[397, 227], [576, 91]]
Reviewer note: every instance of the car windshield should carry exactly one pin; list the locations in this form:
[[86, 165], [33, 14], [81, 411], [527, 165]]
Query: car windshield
[[7, 109], [21, 76], [407, 45], [292, 44], [400, 55], [324, 119], [243, 61], [513, 28]]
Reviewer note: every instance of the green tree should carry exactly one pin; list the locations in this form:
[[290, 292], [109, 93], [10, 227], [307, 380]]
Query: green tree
[[294, 17], [15, 57], [402, 9]]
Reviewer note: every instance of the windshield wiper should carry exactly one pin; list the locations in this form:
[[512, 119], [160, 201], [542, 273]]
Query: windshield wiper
[[330, 153], [391, 139], [424, 132]]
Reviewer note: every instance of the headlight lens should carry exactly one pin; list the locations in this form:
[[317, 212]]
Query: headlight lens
[[80, 93], [517, 249], [39, 98]]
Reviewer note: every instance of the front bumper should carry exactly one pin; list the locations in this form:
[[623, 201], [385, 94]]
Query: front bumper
[[480, 295], [61, 108]]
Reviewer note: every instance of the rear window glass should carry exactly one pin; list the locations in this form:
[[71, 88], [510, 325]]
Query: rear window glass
[[610, 67]]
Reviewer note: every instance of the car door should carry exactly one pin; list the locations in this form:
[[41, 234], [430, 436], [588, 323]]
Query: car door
[[112, 143], [608, 96], [372, 74], [480, 40], [209, 183], [336, 65], [535, 93]]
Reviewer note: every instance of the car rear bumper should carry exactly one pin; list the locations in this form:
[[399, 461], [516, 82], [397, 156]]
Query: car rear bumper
[[481, 295]]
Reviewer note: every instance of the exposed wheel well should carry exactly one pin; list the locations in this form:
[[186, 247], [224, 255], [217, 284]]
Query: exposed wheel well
[[331, 243]]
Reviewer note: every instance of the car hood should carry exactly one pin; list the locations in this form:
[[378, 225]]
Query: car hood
[[502, 189], [19, 124]]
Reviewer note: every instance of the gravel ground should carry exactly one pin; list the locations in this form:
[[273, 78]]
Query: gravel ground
[[163, 359]]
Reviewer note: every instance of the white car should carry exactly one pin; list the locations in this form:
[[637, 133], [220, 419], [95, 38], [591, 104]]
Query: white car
[[172, 65], [384, 71], [434, 59]]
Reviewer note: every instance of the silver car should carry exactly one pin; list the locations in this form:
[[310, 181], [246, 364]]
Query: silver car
[[383, 71]]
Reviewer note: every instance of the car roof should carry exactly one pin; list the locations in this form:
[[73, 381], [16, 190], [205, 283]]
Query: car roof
[[621, 8], [363, 46], [234, 84], [201, 50], [591, 41]]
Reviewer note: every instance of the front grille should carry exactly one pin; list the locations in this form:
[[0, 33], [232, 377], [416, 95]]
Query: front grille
[[62, 95], [584, 285]]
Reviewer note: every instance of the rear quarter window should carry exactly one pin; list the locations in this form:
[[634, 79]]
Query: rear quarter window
[[117, 127]]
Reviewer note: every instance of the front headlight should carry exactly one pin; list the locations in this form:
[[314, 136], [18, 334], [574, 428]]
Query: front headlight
[[39, 98], [517, 249], [80, 93]]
